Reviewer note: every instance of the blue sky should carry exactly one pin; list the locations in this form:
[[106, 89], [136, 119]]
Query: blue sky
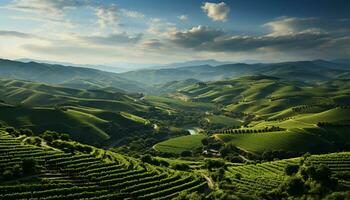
[[165, 31]]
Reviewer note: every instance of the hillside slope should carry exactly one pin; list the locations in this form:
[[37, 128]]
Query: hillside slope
[[69, 170], [87, 126], [306, 71], [72, 76]]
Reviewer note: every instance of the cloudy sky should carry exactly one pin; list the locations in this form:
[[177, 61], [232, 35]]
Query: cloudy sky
[[165, 31]]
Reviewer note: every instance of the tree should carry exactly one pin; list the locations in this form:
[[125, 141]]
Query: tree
[[181, 166], [323, 173], [295, 186], [291, 169], [205, 141], [186, 154], [64, 136], [48, 137], [7, 174], [29, 166], [164, 163], [10, 130], [146, 158], [26, 131], [210, 164]]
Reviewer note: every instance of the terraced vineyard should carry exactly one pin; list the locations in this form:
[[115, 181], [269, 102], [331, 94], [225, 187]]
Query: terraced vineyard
[[269, 175], [98, 175], [265, 176]]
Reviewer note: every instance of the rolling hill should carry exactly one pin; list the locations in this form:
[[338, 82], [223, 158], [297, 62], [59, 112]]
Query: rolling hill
[[89, 115], [84, 172], [265, 95], [306, 71], [89, 126], [72, 76]]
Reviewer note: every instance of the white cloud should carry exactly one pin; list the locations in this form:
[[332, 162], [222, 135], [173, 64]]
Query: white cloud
[[111, 15], [107, 15], [292, 25], [303, 38], [52, 7], [159, 27], [183, 17], [195, 36], [216, 11], [132, 13]]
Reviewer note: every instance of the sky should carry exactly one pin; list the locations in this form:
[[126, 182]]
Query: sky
[[145, 32]]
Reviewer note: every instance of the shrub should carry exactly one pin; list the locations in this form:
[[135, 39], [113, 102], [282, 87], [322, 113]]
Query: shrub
[[10, 130], [26, 131], [181, 166], [238, 176], [64, 136], [146, 158], [164, 163], [210, 164]]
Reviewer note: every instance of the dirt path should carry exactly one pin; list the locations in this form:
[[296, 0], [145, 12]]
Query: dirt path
[[209, 181]]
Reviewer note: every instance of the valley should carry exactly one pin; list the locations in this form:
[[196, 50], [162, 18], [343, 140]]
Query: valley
[[227, 138], [174, 100]]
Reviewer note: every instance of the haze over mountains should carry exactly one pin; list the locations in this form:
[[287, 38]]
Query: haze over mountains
[[142, 80]]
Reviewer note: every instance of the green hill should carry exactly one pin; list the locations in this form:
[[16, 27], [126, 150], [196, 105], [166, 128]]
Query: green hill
[[305, 71], [72, 76], [263, 95], [180, 144], [40, 94], [69, 170], [294, 141], [88, 126], [266, 177]]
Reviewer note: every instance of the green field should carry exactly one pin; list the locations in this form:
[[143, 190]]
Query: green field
[[296, 140], [223, 120], [180, 144]]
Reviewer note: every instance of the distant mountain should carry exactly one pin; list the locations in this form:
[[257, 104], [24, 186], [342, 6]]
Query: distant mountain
[[342, 61], [211, 62], [77, 77], [305, 71], [99, 67]]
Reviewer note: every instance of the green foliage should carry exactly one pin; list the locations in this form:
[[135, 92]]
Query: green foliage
[[291, 169], [186, 154], [189, 196], [29, 166], [294, 186], [110, 175], [214, 164], [181, 167], [338, 196], [7, 175], [179, 144], [25, 131]]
